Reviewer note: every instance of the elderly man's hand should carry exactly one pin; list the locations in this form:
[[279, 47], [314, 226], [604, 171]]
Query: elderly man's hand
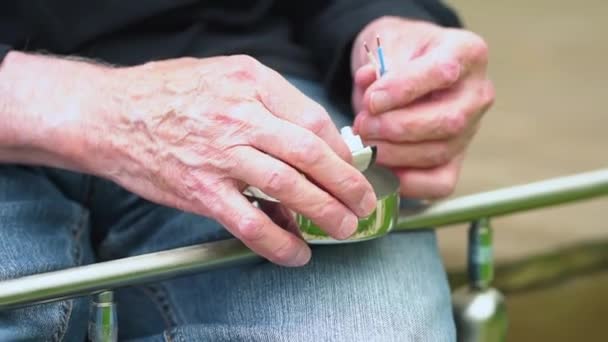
[[192, 133], [424, 111]]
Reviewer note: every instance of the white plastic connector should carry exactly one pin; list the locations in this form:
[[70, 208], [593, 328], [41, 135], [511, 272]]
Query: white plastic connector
[[353, 141], [363, 156]]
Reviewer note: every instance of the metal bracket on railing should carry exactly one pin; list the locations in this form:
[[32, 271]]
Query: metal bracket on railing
[[479, 310]]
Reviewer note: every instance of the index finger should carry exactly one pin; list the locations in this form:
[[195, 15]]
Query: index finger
[[409, 81], [285, 101]]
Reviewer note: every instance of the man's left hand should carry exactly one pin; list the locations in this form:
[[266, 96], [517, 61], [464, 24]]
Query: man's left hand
[[423, 113]]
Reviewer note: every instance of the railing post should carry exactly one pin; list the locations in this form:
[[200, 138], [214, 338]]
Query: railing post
[[103, 323], [479, 310]]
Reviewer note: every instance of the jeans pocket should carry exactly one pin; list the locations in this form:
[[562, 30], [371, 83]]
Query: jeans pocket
[[39, 236]]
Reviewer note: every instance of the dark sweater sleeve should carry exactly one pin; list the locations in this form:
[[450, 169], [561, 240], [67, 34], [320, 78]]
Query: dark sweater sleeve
[[4, 49], [329, 32]]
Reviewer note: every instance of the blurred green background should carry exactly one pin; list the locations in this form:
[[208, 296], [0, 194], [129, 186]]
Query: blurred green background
[[548, 60]]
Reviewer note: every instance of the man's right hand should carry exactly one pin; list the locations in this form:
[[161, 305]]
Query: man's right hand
[[193, 133]]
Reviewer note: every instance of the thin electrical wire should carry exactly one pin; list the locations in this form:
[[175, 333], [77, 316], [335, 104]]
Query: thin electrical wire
[[372, 59], [380, 56]]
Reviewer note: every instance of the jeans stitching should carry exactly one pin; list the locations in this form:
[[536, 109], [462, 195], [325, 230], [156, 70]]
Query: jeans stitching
[[173, 335], [76, 253], [158, 294], [168, 336], [66, 311]]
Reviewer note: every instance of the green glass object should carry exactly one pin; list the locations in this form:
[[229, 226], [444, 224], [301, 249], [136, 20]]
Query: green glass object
[[480, 312], [103, 322], [379, 223], [480, 258]]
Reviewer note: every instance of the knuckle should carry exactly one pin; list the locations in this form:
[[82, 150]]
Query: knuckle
[[306, 151], [404, 127], [393, 130], [239, 113], [227, 159], [350, 184], [284, 251], [478, 47], [279, 180], [251, 229], [245, 61], [246, 68], [324, 209], [454, 124], [208, 195], [406, 88], [448, 71], [439, 156], [316, 120]]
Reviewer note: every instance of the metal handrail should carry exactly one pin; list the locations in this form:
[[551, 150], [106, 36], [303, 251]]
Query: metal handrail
[[509, 200], [73, 282]]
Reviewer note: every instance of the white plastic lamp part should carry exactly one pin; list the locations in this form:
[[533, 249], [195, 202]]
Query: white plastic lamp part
[[353, 141], [363, 156]]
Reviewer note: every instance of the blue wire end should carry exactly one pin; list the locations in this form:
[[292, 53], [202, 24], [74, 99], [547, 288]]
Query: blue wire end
[[381, 58]]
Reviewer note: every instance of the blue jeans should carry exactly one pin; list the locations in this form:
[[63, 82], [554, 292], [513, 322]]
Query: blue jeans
[[390, 289]]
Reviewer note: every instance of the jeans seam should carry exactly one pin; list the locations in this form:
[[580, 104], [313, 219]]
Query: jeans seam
[[76, 254], [66, 311], [159, 297], [173, 335], [167, 336]]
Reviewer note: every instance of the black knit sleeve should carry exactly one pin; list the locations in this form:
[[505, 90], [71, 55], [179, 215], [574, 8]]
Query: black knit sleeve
[[329, 30], [4, 49]]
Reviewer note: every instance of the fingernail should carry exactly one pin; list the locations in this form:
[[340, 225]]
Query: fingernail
[[348, 226], [368, 204], [371, 127], [380, 101], [302, 257]]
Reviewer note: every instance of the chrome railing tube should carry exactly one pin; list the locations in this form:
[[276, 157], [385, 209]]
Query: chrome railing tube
[[73, 282]]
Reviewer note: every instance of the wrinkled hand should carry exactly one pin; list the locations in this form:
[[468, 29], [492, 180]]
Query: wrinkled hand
[[423, 113], [192, 133]]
